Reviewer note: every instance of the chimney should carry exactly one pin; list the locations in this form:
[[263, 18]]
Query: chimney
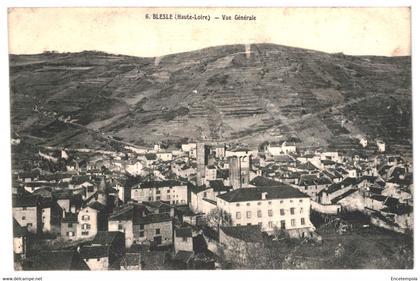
[[263, 195]]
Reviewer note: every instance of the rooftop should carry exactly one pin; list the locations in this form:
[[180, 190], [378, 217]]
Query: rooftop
[[157, 184], [55, 260], [255, 194], [106, 237], [94, 251]]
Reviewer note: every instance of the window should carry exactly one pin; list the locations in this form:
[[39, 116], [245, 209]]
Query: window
[[70, 224], [282, 224], [281, 201], [306, 187], [158, 191], [141, 234], [85, 217], [168, 197], [84, 233], [168, 191], [248, 214], [85, 226], [238, 215], [300, 200], [157, 231], [259, 213], [237, 204], [292, 211], [43, 210], [157, 198], [248, 204], [292, 222], [120, 227], [24, 208], [23, 218], [184, 239], [301, 210], [281, 212], [150, 198], [269, 202], [302, 221], [291, 201], [259, 203], [270, 213], [98, 259], [205, 194], [260, 223], [270, 224], [29, 225]]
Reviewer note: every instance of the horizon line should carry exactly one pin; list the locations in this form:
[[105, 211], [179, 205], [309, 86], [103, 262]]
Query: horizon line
[[204, 48]]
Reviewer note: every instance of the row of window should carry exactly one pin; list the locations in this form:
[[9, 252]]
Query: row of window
[[168, 197], [269, 202], [98, 259], [282, 223], [270, 213]]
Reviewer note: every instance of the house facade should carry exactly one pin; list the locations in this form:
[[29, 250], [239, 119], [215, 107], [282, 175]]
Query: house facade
[[271, 208], [174, 192]]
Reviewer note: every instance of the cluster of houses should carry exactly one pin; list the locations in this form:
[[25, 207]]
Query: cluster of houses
[[174, 207]]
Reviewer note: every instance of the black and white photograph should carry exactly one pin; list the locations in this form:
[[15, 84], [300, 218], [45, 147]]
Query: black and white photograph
[[192, 138]]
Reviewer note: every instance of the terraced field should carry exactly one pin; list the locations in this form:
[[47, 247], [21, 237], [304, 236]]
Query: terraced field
[[217, 93]]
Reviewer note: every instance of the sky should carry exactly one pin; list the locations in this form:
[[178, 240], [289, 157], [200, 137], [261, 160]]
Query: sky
[[353, 31]]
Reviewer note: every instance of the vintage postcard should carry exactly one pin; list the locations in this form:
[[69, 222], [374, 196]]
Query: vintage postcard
[[211, 138]]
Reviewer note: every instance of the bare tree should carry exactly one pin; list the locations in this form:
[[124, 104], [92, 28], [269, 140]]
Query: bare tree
[[218, 217]]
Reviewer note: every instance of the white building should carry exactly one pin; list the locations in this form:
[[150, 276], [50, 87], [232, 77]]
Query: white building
[[381, 145], [363, 142], [203, 200], [220, 151], [239, 152], [164, 156], [191, 148], [211, 173], [135, 169], [283, 148], [174, 192], [269, 207], [331, 155], [87, 223]]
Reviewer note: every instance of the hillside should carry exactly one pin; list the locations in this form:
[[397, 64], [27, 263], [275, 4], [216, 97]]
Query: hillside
[[217, 93]]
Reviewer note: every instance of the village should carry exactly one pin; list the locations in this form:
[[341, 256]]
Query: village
[[208, 205]]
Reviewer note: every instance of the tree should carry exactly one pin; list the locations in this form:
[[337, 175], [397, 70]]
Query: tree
[[218, 217]]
